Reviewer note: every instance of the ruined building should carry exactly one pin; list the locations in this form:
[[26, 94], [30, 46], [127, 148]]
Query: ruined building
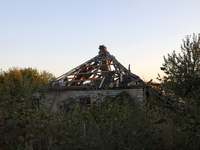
[[100, 75]]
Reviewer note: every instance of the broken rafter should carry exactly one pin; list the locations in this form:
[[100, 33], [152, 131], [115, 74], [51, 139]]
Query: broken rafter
[[89, 73], [80, 70], [65, 75], [95, 73], [103, 67], [83, 80]]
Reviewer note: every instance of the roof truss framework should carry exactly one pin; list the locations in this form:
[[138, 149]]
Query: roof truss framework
[[103, 71]]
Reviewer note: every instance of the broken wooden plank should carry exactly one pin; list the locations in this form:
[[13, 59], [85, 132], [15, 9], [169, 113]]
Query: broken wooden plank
[[89, 73]]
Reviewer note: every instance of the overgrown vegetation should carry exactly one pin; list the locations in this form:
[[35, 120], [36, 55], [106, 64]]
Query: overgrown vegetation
[[161, 121], [182, 70]]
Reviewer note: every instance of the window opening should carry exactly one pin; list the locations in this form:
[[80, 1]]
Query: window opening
[[85, 101]]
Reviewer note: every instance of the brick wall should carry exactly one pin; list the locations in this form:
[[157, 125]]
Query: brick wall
[[58, 96]]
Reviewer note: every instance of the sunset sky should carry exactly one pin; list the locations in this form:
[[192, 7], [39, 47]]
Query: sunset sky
[[59, 35]]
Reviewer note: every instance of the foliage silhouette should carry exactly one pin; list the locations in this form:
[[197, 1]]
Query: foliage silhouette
[[182, 70]]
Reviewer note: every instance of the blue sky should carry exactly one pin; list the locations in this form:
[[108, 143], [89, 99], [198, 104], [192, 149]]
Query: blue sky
[[59, 35]]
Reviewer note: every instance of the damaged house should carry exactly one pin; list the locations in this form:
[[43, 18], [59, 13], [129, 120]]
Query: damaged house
[[101, 75]]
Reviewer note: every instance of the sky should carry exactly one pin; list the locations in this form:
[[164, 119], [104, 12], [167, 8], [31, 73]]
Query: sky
[[59, 35]]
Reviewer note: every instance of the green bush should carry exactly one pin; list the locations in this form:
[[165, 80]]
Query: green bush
[[115, 124]]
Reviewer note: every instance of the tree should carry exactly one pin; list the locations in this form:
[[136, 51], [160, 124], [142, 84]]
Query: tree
[[182, 70], [12, 82]]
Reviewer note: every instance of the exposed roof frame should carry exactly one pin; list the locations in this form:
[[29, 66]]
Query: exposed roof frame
[[99, 68]]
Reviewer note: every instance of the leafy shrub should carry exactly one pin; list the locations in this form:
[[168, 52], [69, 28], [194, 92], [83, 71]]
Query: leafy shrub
[[116, 124]]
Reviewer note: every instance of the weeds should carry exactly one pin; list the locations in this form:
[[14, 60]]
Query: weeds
[[112, 124]]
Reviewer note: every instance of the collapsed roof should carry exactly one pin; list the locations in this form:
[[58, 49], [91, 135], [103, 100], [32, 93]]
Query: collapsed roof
[[102, 71]]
